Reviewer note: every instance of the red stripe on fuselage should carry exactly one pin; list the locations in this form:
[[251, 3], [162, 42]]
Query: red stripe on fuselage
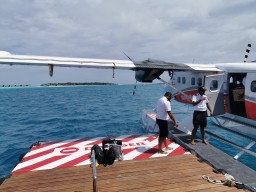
[[184, 99], [250, 109]]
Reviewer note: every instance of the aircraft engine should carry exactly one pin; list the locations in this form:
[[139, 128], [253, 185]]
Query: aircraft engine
[[147, 75]]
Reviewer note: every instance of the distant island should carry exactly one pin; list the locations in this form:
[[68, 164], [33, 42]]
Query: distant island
[[60, 84], [76, 84], [15, 85]]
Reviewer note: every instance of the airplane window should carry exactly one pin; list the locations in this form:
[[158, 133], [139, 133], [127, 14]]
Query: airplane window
[[178, 79], [183, 80], [253, 86], [199, 81], [213, 85], [193, 81]]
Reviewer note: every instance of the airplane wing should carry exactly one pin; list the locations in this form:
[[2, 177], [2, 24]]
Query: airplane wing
[[144, 68], [10, 59], [64, 61]]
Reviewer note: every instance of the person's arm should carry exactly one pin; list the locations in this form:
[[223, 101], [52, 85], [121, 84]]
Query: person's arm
[[209, 108], [194, 102], [172, 118]]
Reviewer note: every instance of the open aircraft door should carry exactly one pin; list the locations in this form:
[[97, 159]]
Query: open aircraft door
[[214, 85]]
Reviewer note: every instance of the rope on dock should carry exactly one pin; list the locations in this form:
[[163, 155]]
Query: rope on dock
[[230, 181]]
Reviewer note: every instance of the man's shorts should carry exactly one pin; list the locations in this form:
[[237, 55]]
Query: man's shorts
[[200, 119], [163, 127]]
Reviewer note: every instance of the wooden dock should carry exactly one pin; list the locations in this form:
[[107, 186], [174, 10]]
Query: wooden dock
[[217, 159], [177, 173]]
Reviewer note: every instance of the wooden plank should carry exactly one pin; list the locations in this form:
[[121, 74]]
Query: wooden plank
[[179, 173]]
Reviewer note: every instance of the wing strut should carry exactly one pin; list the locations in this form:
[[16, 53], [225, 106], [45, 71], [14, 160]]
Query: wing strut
[[50, 70], [134, 89], [114, 70], [170, 85]]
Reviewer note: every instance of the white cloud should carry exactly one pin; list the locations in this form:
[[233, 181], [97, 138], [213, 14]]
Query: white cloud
[[207, 31]]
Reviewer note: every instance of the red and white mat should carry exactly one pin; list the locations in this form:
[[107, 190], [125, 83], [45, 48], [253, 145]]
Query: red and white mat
[[77, 152]]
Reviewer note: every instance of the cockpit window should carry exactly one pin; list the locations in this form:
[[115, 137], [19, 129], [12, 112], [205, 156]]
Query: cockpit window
[[214, 85], [253, 86]]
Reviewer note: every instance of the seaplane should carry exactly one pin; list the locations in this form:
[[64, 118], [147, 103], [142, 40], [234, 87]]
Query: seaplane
[[230, 87]]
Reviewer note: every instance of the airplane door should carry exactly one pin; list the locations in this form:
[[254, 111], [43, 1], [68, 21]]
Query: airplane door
[[214, 85], [249, 82]]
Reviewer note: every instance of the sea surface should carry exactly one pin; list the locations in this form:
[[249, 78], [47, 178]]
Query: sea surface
[[33, 114]]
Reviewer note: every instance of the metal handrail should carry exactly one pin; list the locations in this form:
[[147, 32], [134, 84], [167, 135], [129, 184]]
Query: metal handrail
[[243, 149], [237, 121], [232, 143], [235, 132], [94, 176]]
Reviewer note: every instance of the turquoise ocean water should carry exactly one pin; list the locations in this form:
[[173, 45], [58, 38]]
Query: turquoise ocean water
[[56, 113]]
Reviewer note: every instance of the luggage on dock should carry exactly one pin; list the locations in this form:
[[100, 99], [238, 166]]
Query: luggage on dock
[[116, 146], [111, 150], [109, 154]]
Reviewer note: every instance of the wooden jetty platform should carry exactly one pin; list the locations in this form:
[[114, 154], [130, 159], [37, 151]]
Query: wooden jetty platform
[[176, 173], [217, 159]]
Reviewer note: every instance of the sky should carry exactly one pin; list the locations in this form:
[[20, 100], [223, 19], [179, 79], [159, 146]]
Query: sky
[[171, 30]]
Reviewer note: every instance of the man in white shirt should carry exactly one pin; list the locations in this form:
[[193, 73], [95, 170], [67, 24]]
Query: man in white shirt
[[163, 114], [201, 103]]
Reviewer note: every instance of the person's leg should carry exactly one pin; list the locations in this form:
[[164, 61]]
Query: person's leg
[[165, 135], [160, 142], [165, 144], [193, 135], [161, 137], [196, 125], [202, 129]]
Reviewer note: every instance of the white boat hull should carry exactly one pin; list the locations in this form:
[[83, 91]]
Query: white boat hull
[[148, 120]]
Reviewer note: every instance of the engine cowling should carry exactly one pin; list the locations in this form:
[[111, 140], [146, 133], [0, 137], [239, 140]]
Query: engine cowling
[[147, 75]]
